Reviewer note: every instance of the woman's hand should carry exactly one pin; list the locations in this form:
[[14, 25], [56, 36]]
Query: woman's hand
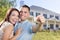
[[19, 31]]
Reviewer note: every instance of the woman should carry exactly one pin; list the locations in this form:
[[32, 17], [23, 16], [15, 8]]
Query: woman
[[7, 26]]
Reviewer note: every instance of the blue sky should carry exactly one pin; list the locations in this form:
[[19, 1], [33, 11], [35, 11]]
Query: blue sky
[[53, 5]]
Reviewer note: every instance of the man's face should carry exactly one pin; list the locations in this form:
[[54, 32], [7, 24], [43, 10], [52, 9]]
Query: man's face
[[24, 13]]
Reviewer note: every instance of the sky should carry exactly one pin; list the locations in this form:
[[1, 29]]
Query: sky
[[53, 5]]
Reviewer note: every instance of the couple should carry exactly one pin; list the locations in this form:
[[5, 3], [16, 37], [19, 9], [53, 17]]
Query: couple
[[16, 26]]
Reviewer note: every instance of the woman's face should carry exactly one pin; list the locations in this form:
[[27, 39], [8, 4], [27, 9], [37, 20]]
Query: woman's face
[[14, 17]]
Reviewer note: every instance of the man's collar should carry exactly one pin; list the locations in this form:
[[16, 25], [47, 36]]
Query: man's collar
[[24, 21]]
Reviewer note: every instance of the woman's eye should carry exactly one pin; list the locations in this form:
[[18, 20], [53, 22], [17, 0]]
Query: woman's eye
[[18, 16], [13, 15]]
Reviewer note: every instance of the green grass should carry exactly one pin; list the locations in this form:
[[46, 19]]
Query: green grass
[[47, 35]]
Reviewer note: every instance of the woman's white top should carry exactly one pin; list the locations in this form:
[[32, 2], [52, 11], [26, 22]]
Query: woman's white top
[[4, 26]]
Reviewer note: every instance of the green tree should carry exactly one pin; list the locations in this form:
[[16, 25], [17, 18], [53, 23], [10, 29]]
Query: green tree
[[4, 6]]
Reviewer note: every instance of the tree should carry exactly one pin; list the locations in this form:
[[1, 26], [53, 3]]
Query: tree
[[4, 6]]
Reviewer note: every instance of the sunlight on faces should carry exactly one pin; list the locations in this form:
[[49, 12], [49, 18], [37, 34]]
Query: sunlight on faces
[[24, 13], [14, 17]]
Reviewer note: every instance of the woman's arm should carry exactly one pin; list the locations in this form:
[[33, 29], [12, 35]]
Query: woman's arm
[[18, 32], [7, 32]]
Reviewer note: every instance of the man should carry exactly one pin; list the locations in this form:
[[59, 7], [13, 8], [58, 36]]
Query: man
[[28, 28]]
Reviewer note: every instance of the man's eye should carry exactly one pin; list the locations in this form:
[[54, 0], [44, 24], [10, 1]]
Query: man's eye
[[25, 12]]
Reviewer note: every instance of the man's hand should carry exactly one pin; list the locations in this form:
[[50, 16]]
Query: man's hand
[[40, 19]]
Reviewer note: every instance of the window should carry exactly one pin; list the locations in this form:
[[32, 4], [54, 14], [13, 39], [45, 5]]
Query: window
[[37, 14], [44, 26], [51, 16], [31, 13], [51, 26], [57, 26], [57, 17], [45, 15]]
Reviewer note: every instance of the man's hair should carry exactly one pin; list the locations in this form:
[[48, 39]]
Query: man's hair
[[26, 7]]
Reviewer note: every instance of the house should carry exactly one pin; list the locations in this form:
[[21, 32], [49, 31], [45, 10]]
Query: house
[[52, 18]]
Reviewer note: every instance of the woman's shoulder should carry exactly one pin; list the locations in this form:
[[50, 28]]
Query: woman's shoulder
[[5, 24]]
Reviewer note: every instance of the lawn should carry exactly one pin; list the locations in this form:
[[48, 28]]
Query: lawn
[[47, 35]]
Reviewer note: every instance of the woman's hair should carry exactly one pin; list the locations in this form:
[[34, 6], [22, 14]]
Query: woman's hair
[[9, 11]]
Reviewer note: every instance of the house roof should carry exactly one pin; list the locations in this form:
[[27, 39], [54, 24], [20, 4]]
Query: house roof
[[33, 7]]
